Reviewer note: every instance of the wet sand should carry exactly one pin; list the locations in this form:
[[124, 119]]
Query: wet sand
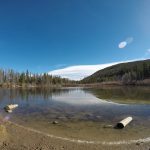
[[15, 137]]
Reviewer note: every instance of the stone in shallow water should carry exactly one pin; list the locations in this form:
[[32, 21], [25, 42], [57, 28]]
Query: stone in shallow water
[[98, 117], [55, 122]]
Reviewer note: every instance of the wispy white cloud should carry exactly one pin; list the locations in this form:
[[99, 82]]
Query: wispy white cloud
[[81, 71], [78, 72], [59, 65], [147, 53], [124, 43]]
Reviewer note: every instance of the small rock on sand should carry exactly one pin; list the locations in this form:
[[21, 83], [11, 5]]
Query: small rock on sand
[[139, 143]]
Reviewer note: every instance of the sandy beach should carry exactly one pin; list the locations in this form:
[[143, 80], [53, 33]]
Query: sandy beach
[[16, 137]]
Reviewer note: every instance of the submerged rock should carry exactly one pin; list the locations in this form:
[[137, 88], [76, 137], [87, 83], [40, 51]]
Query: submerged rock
[[55, 122]]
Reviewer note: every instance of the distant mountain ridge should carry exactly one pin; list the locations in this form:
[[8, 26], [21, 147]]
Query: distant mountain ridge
[[125, 73]]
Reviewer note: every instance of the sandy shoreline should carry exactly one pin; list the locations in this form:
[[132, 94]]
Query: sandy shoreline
[[14, 137]]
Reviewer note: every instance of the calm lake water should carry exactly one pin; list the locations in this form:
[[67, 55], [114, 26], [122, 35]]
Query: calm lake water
[[81, 113]]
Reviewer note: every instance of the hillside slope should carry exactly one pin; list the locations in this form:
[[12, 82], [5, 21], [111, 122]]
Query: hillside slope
[[125, 73]]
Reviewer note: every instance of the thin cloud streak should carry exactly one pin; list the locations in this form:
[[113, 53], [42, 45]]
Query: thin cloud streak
[[147, 53]]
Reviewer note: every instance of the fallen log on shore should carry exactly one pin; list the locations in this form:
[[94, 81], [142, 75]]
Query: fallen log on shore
[[124, 123]]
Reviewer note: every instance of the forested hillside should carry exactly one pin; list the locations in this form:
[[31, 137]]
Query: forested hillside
[[12, 78], [126, 73]]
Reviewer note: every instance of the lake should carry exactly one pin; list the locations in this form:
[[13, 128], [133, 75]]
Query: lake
[[81, 113]]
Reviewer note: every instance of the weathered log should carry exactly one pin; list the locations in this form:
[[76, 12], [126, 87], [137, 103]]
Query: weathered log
[[124, 122], [10, 107], [9, 111]]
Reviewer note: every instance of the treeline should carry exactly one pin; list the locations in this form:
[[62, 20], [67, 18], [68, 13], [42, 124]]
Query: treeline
[[126, 73], [11, 78]]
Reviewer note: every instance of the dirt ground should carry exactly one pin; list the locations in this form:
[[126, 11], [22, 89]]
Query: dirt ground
[[13, 137]]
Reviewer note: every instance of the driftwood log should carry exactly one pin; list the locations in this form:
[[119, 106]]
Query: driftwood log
[[124, 122], [10, 107]]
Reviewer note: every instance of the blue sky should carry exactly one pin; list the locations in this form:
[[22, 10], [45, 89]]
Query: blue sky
[[44, 35]]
